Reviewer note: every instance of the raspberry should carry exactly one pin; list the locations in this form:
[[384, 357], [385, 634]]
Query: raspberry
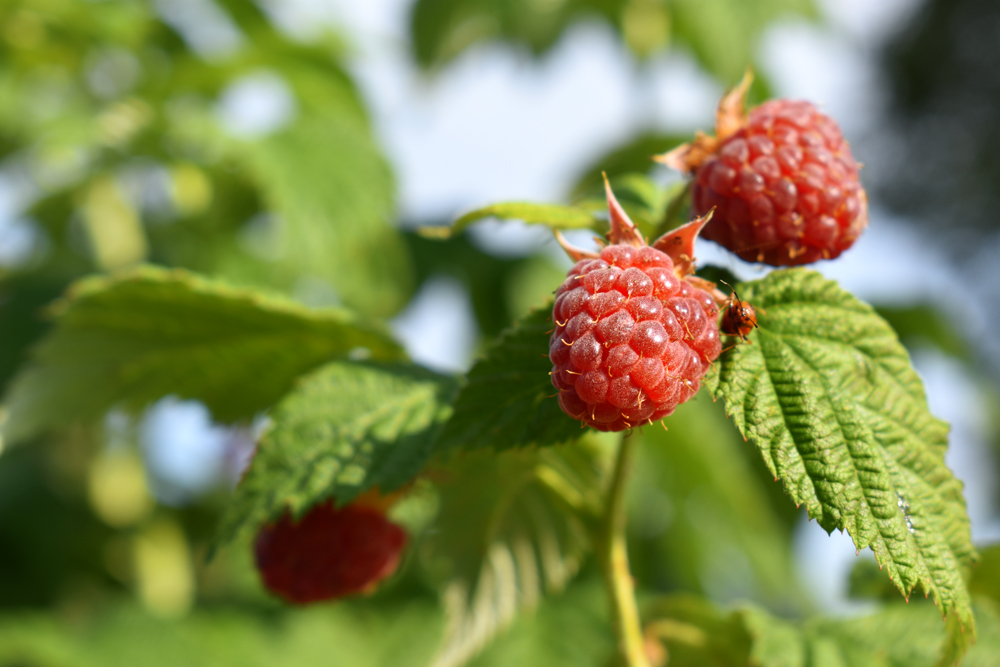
[[634, 335], [782, 181], [330, 553]]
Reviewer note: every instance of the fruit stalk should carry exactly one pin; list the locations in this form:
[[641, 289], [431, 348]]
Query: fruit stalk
[[613, 556]]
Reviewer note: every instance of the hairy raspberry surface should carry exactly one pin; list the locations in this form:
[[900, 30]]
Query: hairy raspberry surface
[[330, 553], [632, 340], [785, 188]]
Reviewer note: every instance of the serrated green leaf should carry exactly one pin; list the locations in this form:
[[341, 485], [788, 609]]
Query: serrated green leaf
[[344, 429], [828, 395], [512, 527], [148, 333], [508, 399], [555, 216]]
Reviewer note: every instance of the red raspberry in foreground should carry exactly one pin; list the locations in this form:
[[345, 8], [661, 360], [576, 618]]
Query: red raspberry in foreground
[[634, 336], [330, 553], [782, 181]]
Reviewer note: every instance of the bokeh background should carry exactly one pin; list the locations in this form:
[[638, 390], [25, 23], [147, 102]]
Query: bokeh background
[[252, 142]]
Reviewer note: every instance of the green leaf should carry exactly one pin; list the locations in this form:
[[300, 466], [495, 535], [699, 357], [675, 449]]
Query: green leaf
[[923, 324], [986, 574], [148, 333], [700, 515], [571, 630], [508, 399], [898, 635], [344, 429], [696, 633], [724, 33], [356, 633], [549, 215], [512, 527], [635, 156], [333, 192], [643, 200], [828, 395]]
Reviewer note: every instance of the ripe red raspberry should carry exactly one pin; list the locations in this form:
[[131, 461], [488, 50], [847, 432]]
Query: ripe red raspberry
[[330, 553], [634, 335], [782, 181]]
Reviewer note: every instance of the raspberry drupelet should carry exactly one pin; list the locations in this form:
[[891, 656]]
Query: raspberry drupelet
[[781, 180], [634, 331]]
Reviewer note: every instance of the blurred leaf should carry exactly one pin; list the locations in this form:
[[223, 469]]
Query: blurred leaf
[[149, 333], [22, 299], [530, 284], [49, 539], [333, 193], [635, 156], [440, 30], [828, 395], [723, 34], [512, 527], [342, 430], [487, 277], [349, 634], [570, 630], [696, 633], [717, 274], [897, 636], [648, 205], [508, 400], [924, 324], [986, 573], [867, 582], [700, 516], [549, 215]]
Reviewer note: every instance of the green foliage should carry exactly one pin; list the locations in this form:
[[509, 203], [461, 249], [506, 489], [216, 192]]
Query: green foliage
[[828, 395], [507, 399], [728, 543], [113, 92], [646, 203], [512, 527], [635, 156], [925, 325], [897, 636], [355, 634], [149, 333], [696, 633], [721, 33], [550, 215], [342, 430], [333, 192], [570, 630]]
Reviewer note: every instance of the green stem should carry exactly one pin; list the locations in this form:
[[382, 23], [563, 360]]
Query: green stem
[[614, 564]]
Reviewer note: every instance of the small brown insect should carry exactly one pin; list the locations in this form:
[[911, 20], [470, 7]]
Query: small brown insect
[[740, 317]]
